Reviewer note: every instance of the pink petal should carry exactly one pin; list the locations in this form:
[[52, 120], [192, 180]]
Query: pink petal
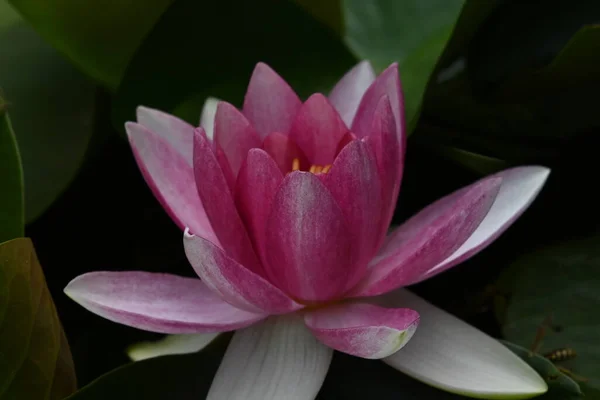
[[355, 184], [429, 237], [234, 135], [386, 84], [170, 177], [257, 184], [363, 330], [348, 92], [270, 103], [157, 302], [220, 208], [390, 159], [283, 151], [519, 188], [176, 132], [233, 282], [309, 255], [318, 129]]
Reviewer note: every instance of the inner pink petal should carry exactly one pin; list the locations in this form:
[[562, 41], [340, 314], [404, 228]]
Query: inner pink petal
[[317, 129]]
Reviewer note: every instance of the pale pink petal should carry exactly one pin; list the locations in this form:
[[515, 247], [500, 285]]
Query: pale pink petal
[[390, 160], [429, 237], [318, 129], [283, 151], [233, 282], [207, 117], [519, 188], [355, 184], [309, 255], [219, 205], [270, 103], [363, 330], [257, 184], [348, 92], [157, 302], [386, 84], [170, 176], [234, 135], [276, 360], [176, 132]]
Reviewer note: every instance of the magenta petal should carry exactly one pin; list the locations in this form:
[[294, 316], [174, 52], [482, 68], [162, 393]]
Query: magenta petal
[[363, 330], [318, 129], [157, 302], [309, 254], [386, 84], [219, 205], [390, 159], [233, 282], [234, 135], [429, 237], [283, 151], [170, 176], [355, 184], [178, 133], [519, 188], [257, 184], [348, 92], [270, 103]]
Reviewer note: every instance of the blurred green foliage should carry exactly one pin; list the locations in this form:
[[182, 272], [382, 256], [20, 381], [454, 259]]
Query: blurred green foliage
[[36, 360], [487, 84]]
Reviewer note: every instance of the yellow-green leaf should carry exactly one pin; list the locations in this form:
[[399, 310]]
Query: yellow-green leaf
[[35, 361]]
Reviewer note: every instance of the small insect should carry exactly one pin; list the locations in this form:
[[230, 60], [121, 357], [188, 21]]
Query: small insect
[[558, 355]]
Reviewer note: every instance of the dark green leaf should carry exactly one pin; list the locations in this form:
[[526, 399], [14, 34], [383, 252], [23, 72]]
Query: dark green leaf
[[183, 61], [100, 37], [51, 106], [328, 12], [412, 32], [562, 283], [36, 361], [352, 378], [12, 222], [560, 386], [177, 377]]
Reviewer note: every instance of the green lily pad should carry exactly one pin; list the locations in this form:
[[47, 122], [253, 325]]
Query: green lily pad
[[36, 361], [562, 283], [178, 377], [99, 37], [8, 15], [51, 106], [412, 32], [12, 222], [183, 61], [560, 386]]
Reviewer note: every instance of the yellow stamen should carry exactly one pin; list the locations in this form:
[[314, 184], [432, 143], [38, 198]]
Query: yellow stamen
[[313, 169], [295, 164], [318, 169], [326, 168]]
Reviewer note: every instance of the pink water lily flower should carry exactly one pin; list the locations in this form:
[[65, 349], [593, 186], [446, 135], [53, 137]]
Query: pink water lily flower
[[285, 206]]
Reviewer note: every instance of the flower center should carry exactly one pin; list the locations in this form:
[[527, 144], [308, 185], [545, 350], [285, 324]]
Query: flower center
[[314, 169]]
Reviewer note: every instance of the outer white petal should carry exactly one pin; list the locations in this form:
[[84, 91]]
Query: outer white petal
[[273, 360], [348, 92], [451, 355], [171, 344], [207, 117]]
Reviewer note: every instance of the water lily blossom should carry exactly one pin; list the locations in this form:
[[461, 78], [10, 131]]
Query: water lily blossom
[[285, 207]]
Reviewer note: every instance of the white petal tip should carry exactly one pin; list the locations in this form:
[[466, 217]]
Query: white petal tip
[[187, 234]]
